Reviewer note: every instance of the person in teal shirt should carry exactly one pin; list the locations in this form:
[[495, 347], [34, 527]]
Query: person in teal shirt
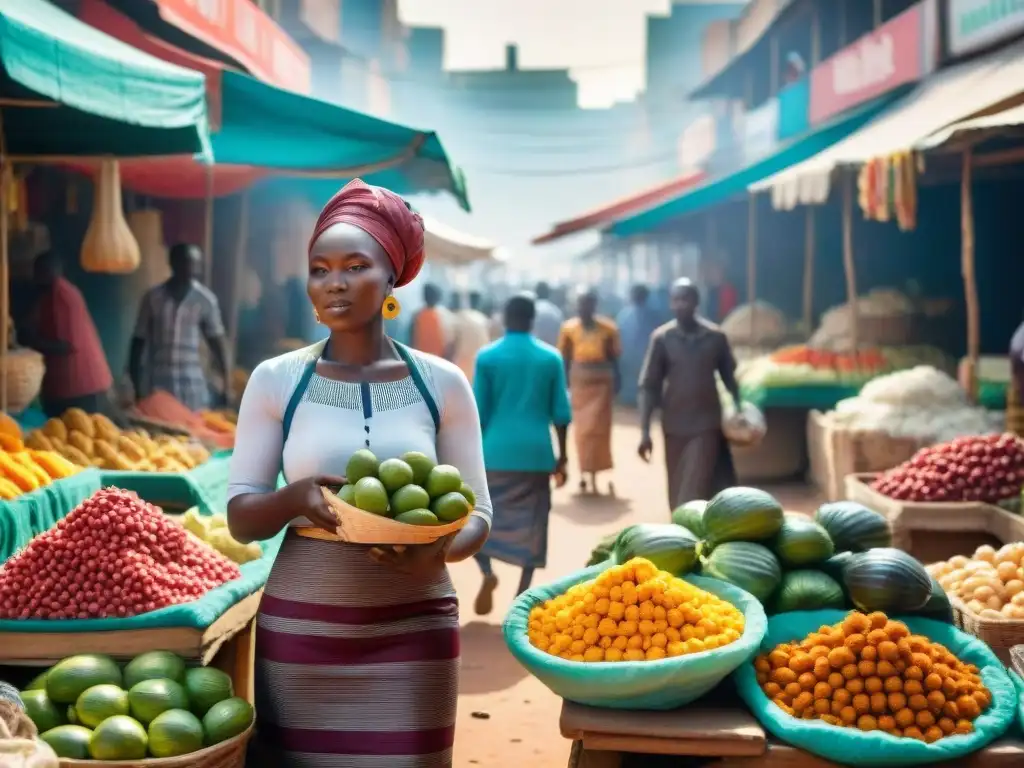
[[521, 394]]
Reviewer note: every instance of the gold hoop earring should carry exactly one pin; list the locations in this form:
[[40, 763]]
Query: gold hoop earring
[[391, 308], [316, 315]]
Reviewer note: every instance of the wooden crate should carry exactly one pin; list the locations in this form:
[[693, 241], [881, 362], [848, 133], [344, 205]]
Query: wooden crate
[[201, 645], [835, 453], [933, 531]]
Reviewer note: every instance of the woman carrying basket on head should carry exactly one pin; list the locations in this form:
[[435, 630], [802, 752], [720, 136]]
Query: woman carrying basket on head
[[357, 648]]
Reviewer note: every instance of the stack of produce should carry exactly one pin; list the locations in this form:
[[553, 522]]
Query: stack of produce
[[633, 612], [113, 556], [411, 489], [869, 672], [788, 561], [756, 325], [921, 403], [25, 468], [987, 468], [164, 407], [990, 582], [94, 440], [213, 529], [836, 328], [86, 708]]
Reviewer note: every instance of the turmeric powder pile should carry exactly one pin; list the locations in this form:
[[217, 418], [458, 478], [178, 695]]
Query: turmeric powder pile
[[871, 673]]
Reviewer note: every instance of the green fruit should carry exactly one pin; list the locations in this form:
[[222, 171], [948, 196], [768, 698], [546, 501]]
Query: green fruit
[[395, 474], [38, 682], [443, 479], [450, 507], [691, 516], [887, 580], [41, 711], [205, 687], [938, 606], [801, 541], [361, 464], [418, 517], [466, 491], [152, 697], [741, 514], [69, 678], [668, 546], [747, 565], [73, 715], [808, 591], [118, 738], [371, 496], [853, 527], [227, 719], [98, 703], [154, 665], [421, 466], [175, 732], [347, 493], [408, 498], [70, 741]]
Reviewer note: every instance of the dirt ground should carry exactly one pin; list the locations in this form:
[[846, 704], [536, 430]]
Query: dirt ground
[[507, 719]]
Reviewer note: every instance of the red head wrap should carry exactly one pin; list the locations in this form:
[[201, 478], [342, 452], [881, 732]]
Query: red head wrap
[[385, 217]]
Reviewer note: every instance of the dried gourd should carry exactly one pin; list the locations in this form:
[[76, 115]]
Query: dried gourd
[[75, 419], [41, 475], [109, 245], [17, 474], [8, 490], [38, 441], [104, 428], [56, 428], [75, 456], [9, 426], [55, 465], [130, 448], [119, 463], [10, 443], [104, 450], [82, 442]]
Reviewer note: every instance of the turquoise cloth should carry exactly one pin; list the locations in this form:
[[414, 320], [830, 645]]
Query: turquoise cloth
[[31, 418], [992, 395], [114, 99], [274, 128], [38, 511], [520, 392], [171, 491], [821, 397], [850, 746], [726, 187], [663, 684], [211, 477]]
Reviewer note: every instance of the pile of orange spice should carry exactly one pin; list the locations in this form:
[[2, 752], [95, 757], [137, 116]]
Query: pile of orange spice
[[872, 673]]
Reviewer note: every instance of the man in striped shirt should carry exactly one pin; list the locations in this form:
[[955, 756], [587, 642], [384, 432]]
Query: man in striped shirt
[[175, 318]]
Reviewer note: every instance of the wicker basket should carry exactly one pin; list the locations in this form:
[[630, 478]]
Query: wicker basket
[[23, 372], [227, 754], [358, 527], [999, 634]]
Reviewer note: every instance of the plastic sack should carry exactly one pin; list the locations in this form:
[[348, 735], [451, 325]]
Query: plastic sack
[[745, 427], [850, 746], [663, 684]]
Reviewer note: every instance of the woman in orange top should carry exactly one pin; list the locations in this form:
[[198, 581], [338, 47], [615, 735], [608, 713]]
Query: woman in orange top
[[590, 347]]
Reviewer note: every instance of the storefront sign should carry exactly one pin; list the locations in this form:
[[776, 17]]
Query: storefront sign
[[760, 131], [242, 31], [975, 24], [697, 143], [900, 51]]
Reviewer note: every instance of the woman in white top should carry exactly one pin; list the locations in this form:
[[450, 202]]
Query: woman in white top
[[357, 648]]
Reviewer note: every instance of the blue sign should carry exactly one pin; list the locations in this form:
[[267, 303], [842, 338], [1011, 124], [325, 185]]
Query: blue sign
[[794, 108]]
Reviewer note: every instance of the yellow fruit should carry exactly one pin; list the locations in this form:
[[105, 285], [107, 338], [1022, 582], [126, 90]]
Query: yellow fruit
[[74, 455], [18, 474], [9, 426], [26, 460], [8, 490], [78, 420], [55, 428], [104, 428], [38, 441], [104, 450], [56, 466], [11, 443], [82, 441]]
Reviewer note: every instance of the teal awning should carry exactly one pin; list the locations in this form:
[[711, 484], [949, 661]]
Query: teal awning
[[727, 187], [298, 136], [70, 89]]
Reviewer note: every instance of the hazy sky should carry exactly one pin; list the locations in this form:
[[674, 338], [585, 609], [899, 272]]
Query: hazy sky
[[601, 41]]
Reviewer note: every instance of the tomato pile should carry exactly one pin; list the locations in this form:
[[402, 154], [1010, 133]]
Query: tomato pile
[[113, 556], [986, 468]]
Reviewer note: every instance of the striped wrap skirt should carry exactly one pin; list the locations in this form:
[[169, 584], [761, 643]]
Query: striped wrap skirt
[[357, 665]]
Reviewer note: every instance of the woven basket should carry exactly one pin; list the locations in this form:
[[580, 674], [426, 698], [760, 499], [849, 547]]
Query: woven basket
[[358, 527], [227, 754], [23, 378], [999, 634]]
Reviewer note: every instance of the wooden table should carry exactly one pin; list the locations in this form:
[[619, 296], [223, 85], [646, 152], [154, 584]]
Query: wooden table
[[713, 728]]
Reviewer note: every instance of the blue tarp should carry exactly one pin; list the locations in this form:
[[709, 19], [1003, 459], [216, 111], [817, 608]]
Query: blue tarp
[[273, 128], [721, 189]]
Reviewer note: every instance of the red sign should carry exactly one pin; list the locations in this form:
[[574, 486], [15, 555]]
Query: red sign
[[900, 51], [246, 34]]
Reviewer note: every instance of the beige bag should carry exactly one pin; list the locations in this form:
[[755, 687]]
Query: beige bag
[[19, 747]]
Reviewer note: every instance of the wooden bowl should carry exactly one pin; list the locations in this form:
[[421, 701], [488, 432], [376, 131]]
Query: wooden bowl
[[358, 527]]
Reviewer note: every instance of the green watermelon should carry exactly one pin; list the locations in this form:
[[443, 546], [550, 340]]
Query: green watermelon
[[801, 541], [938, 606], [808, 591], [887, 580], [749, 566], [741, 514], [853, 527], [691, 516], [670, 547]]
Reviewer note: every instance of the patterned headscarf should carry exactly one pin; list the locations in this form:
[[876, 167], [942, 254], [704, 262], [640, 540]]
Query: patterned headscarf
[[384, 216]]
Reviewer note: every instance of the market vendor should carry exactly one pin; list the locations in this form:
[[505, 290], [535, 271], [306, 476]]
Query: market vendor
[[61, 329], [174, 318], [357, 648], [678, 377]]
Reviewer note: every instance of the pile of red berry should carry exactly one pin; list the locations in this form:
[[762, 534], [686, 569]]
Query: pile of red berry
[[114, 555]]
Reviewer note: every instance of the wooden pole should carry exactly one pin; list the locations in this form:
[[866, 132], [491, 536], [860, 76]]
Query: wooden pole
[[752, 261], [237, 275], [809, 251], [967, 268], [848, 267]]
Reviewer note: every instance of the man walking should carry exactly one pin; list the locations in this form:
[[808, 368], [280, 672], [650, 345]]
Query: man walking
[[637, 323], [678, 377], [173, 317], [548, 325], [472, 332]]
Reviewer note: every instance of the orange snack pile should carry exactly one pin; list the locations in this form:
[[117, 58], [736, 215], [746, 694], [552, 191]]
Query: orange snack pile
[[633, 612], [871, 673]]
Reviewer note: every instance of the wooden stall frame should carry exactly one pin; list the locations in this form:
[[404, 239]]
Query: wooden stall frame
[[849, 268], [967, 268]]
